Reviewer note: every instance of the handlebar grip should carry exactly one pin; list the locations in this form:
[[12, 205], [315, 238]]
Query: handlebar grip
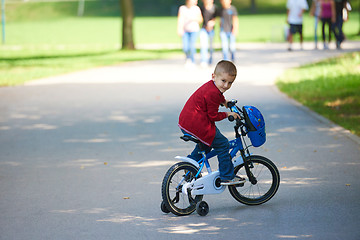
[[230, 104], [231, 118]]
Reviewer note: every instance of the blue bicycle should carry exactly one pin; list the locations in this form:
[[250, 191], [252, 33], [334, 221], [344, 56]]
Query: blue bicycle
[[185, 184]]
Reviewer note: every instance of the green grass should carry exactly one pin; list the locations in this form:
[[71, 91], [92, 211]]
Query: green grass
[[16, 70], [38, 48], [106, 31], [330, 88]]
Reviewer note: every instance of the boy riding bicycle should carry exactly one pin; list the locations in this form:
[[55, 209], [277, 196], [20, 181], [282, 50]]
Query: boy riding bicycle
[[200, 113]]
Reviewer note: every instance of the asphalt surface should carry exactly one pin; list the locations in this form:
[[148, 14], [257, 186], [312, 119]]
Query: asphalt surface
[[82, 155]]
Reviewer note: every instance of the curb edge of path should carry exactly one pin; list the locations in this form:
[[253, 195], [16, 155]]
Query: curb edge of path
[[334, 127]]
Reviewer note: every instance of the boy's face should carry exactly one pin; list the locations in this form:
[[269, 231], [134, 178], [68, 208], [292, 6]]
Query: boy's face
[[223, 81]]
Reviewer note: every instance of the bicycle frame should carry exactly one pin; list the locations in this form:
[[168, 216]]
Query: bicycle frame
[[210, 183], [235, 146]]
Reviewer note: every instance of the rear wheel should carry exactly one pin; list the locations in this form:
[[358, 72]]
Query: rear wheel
[[175, 199], [266, 184]]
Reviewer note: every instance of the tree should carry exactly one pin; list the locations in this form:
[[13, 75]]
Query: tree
[[127, 13], [253, 6]]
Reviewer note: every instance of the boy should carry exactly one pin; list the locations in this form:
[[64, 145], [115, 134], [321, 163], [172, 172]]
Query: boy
[[295, 10], [229, 27], [200, 113]]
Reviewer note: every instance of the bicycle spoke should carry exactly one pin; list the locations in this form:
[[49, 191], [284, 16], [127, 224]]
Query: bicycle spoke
[[267, 183], [177, 201]]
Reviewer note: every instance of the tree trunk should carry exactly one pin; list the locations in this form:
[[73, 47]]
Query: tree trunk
[[253, 6], [127, 13]]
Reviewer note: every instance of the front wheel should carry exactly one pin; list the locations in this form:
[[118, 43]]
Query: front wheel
[[174, 198], [266, 184]]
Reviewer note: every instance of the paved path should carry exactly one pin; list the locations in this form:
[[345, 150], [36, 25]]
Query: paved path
[[83, 155]]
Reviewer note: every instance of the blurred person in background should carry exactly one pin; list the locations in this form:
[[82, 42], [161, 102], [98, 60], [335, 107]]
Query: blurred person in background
[[327, 15], [340, 8], [208, 11], [315, 12], [188, 26], [295, 11], [229, 27]]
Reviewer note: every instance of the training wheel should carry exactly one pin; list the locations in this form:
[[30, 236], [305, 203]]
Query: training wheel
[[164, 208], [202, 208]]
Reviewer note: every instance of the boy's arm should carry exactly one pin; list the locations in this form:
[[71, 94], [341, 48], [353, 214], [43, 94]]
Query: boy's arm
[[212, 108], [235, 115]]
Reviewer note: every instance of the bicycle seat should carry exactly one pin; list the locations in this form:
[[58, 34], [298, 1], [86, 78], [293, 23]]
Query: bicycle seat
[[188, 137]]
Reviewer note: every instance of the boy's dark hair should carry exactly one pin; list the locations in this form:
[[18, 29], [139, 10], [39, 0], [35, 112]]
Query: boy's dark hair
[[225, 66]]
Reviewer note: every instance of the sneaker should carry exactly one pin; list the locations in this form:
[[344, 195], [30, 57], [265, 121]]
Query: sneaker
[[237, 180]]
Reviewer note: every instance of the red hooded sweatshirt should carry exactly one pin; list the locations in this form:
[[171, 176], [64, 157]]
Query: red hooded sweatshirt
[[201, 111]]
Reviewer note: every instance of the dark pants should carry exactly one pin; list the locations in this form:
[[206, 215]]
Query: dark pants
[[339, 34], [221, 147], [324, 22]]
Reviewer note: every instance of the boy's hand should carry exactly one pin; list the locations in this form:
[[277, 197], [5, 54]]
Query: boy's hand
[[225, 104], [235, 115]]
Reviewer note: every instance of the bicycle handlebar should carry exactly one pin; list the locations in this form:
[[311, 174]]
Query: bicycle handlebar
[[233, 108], [239, 121], [231, 118], [231, 103]]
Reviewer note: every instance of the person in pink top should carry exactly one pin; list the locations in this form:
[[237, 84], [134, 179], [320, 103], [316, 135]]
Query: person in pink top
[[327, 16], [200, 113]]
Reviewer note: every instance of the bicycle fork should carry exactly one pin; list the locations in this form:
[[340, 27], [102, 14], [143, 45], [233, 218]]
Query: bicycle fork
[[248, 164]]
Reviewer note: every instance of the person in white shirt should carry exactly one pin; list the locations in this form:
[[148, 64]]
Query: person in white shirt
[[189, 19], [295, 11]]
